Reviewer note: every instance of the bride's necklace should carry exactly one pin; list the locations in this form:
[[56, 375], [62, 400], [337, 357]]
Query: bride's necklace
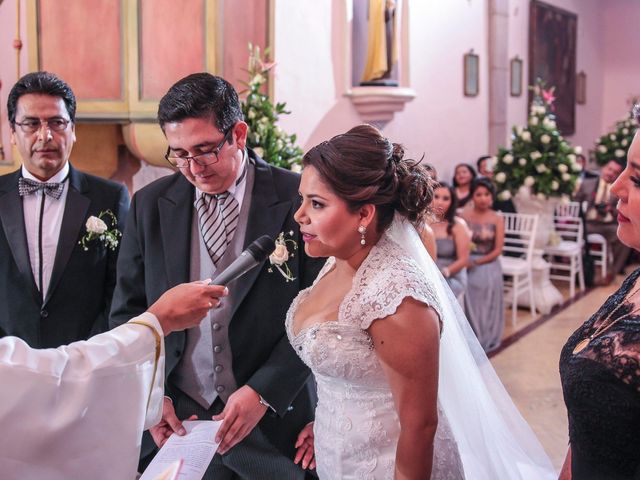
[[604, 326]]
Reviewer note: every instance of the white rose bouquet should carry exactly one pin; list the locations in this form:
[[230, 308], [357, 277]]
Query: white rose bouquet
[[281, 255], [97, 229], [546, 162]]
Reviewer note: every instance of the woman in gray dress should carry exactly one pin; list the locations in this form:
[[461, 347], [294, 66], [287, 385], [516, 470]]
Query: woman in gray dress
[[453, 239], [483, 301]]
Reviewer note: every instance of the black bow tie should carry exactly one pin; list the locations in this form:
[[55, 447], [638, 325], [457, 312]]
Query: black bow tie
[[27, 186]]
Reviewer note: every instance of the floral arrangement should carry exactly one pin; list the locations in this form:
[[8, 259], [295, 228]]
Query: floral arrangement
[[539, 158], [281, 255], [267, 139], [614, 145], [97, 229]]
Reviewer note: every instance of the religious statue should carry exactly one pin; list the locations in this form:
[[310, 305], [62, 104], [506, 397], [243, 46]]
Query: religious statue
[[382, 44]]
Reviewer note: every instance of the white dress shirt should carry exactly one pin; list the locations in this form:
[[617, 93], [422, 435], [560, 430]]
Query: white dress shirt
[[51, 225], [236, 189]]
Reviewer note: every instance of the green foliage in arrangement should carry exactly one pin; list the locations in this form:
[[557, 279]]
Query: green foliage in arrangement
[[265, 137], [539, 157], [614, 145]]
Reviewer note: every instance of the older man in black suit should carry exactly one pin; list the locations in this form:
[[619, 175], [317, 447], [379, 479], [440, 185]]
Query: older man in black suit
[[53, 290], [238, 364]]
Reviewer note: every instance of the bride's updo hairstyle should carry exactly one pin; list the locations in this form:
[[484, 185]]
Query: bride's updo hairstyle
[[363, 167]]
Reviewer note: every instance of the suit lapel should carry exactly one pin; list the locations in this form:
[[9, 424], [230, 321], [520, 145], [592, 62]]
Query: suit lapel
[[267, 214], [75, 212], [176, 213], [12, 217]]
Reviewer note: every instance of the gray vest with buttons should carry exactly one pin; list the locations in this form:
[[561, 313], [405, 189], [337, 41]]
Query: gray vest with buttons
[[205, 369]]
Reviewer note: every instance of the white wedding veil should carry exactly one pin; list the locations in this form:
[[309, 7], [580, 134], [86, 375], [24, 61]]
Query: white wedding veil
[[494, 441]]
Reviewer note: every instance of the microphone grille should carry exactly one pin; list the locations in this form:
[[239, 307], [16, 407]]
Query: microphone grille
[[262, 248]]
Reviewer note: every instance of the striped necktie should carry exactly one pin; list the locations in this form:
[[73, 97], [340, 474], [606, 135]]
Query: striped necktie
[[218, 218]]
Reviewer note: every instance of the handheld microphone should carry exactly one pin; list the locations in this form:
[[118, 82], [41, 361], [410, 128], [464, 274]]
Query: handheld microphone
[[251, 257]]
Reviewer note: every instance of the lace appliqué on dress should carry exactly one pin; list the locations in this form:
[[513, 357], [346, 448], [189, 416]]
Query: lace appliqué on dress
[[382, 282], [601, 386]]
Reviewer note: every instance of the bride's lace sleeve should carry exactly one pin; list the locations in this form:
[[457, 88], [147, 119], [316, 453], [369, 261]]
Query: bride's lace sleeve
[[380, 287]]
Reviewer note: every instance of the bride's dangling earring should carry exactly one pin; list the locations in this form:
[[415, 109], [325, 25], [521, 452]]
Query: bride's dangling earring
[[362, 230]]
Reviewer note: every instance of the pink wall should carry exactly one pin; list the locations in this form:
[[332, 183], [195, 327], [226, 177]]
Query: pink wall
[[64, 27], [621, 67], [440, 122], [175, 53]]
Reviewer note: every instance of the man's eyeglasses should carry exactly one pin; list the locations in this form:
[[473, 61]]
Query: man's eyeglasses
[[202, 159], [32, 125]]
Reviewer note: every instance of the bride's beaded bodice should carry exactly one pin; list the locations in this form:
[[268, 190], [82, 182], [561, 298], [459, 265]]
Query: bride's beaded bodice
[[356, 427]]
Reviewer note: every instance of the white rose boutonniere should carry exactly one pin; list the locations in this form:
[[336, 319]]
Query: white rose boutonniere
[[97, 229], [281, 255]]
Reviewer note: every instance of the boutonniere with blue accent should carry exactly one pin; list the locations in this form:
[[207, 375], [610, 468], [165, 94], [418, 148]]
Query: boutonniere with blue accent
[[98, 230]]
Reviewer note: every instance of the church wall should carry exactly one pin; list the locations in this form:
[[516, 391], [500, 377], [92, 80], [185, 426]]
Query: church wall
[[621, 66], [8, 74], [588, 59], [312, 77]]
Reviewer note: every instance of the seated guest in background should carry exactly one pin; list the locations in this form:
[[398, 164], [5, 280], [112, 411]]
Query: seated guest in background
[[485, 169], [78, 411], [453, 238], [599, 364], [431, 170], [483, 300], [585, 172], [601, 213], [53, 290], [463, 175], [485, 166]]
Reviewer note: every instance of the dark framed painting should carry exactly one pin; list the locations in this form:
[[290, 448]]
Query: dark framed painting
[[515, 76], [471, 74], [552, 58], [581, 88]]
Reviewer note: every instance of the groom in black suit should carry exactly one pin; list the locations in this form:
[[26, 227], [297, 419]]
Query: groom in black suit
[[52, 291], [238, 363]]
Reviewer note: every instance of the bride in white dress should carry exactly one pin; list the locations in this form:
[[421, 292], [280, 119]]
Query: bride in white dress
[[380, 330]]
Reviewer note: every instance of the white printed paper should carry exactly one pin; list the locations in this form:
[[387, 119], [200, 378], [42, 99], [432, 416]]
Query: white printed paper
[[195, 449]]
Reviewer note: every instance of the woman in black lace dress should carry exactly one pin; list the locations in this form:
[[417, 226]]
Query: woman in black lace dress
[[600, 364]]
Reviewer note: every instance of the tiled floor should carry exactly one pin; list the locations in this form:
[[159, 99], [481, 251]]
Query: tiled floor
[[529, 368]]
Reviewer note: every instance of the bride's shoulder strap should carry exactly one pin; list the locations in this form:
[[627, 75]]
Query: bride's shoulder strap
[[386, 278]]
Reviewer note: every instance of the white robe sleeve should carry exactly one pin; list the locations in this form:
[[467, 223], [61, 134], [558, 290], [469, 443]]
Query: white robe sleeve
[[78, 411]]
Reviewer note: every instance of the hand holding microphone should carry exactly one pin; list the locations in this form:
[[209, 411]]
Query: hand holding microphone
[[251, 257]]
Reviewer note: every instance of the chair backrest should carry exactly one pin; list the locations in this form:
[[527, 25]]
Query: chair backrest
[[568, 209], [520, 233], [569, 228]]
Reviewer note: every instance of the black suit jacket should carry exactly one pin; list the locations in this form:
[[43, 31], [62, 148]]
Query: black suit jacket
[[155, 256], [79, 296]]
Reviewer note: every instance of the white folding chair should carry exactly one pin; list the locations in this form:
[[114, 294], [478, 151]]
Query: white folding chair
[[570, 231], [600, 255], [520, 231], [569, 209]]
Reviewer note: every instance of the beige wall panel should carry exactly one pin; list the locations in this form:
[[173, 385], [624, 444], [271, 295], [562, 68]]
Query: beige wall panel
[[81, 41], [172, 44]]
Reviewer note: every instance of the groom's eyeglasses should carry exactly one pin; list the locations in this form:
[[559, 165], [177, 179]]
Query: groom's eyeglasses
[[202, 159]]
